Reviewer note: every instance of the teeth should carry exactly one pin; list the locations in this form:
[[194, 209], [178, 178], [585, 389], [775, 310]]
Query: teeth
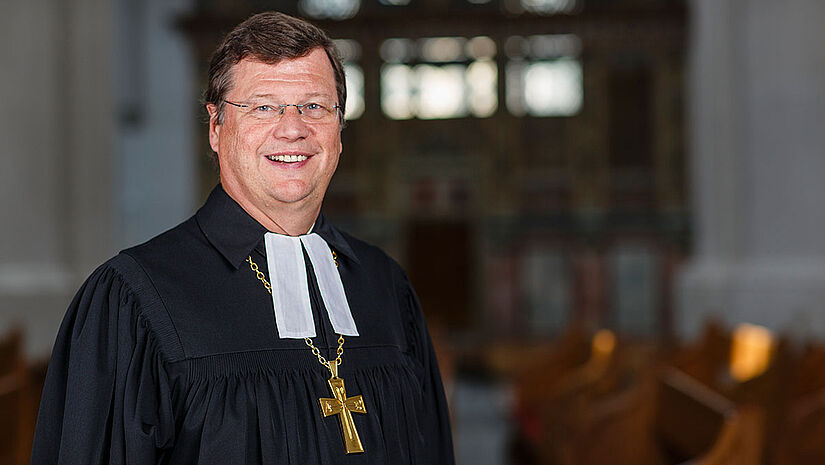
[[287, 158]]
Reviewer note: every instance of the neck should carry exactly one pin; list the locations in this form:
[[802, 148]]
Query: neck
[[284, 221], [281, 218]]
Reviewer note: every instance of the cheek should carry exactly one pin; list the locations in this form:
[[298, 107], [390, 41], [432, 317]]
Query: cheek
[[243, 144], [332, 144]]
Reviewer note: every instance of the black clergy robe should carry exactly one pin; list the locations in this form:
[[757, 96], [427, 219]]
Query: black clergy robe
[[169, 354]]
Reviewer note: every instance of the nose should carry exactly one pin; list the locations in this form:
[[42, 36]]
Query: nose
[[291, 126]]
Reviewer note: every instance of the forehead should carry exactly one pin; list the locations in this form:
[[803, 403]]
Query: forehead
[[309, 74]]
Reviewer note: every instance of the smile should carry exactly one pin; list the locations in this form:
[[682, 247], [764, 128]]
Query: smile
[[287, 158]]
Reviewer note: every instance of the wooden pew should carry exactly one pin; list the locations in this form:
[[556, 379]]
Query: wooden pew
[[11, 351], [808, 375], [801, 438], [602, 411], [537, 378], [770, 391], [696, 424], [35, 379], [614, 429], [13, 384], [13, 411], [20, 388], [577, 411], [706, 360], [802, 427]]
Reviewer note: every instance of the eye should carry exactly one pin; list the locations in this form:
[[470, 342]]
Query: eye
[[313, 106], [264, 108]]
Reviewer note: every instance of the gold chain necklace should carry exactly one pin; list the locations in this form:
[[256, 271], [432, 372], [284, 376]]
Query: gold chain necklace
[[340, 405]]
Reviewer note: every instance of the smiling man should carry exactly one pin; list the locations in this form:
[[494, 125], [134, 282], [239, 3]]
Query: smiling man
[[255, 332], [277, 159]]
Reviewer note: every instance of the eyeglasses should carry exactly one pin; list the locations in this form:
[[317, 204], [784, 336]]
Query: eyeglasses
[[310, 112]]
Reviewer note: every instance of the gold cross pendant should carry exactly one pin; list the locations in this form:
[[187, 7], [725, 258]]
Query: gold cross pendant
[[342, 405]]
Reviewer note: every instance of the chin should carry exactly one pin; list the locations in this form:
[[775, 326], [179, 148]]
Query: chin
[[290, 196]]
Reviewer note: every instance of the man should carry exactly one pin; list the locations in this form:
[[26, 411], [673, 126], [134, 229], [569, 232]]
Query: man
[[255, 332]]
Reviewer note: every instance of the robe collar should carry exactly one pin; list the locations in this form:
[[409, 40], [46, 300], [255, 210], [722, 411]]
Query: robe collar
[[235, 234]]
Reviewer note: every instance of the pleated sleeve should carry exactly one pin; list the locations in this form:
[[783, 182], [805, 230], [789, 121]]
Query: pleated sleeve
[[107, 396], [435, 415]]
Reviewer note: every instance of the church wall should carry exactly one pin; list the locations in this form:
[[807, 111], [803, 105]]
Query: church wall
[[757, 160], [158, 111], [56, 133], [32, 95], [96, 138]]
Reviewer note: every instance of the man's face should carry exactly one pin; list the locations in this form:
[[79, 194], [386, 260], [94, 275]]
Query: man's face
[[266, 165]]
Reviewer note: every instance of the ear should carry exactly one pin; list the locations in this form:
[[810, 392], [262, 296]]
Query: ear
[[214, 126]]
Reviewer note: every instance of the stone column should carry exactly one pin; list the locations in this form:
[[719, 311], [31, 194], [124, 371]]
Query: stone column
[[757, 164], [55, 143]]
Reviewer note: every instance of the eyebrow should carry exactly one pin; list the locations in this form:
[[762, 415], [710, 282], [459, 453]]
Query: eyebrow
[[305, 96]]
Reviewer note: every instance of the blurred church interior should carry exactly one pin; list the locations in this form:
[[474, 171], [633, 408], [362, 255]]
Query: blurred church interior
[[612, 210]]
